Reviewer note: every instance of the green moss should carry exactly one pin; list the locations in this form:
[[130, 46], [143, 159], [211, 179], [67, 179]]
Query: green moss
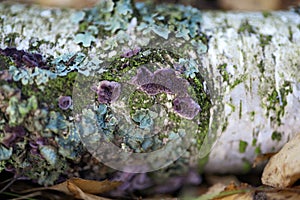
[[276, 136], [138, 100], [224, 73], [254, 141], [203, 99], [265, 40], [276, 103], [10, 38], [261, 67], [5, 62], [252, 115], [242, 146], [225, 124], [238, 81], [290, 34], [241, 109], [257, 150], [245, 27], [49, 93], [231, 106]]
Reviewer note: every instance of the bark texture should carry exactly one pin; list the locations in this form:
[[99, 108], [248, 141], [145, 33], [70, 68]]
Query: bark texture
[[260, 84], [253, 61]]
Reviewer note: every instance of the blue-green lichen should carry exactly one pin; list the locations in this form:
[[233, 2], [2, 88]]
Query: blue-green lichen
[[51, 142]]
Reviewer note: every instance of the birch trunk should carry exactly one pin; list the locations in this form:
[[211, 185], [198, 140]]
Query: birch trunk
[[262, 111], [253, 59]]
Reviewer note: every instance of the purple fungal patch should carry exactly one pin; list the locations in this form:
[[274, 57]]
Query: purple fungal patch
[[131, 53], [143, 76], [186, 107], [153, 89], [162, 80], [65, 102], [12, 135], [25, 59], [108, 91]]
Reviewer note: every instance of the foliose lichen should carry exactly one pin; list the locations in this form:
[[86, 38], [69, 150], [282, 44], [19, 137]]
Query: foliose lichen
[[39, 139]]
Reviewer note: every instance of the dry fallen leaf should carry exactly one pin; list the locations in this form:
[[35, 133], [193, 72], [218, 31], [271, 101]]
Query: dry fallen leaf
[[283, 169], [79, 194], [81, 188], [284, 195]]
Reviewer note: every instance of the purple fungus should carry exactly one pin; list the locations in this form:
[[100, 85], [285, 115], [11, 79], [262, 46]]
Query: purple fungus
[[25, 59], [136, 50], [153, 89], [12, 135], [130, 53], [64, 102], [186, 107], [33, 145], [162, 80], [127, 54], [167, 77], [143, 76], [108, 91]]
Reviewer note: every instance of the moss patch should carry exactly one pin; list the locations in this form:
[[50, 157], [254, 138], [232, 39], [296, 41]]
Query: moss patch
[[242, 146]]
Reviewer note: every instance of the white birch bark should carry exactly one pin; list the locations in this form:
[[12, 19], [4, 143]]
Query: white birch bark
[[246, 104]]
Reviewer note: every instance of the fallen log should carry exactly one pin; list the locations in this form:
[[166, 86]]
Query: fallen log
[[219, 85]]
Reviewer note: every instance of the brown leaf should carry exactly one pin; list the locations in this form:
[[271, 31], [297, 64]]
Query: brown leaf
[[283, 169], [95, 187], [79, 194], [80, 188]]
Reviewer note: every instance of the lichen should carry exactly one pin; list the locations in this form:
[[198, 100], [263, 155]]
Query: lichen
[[39, 85], [5, 153]]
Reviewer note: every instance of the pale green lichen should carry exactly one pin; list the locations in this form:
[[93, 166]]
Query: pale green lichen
[[49, 153], [17, 110], [85, 38], [5, 153]]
